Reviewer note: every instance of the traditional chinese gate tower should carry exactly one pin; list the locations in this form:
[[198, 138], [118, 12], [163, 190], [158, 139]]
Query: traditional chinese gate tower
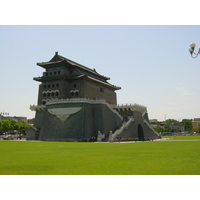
[[75, 103], [66, 79]]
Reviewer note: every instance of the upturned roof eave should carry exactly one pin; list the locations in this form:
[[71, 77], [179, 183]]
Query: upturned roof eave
[[104, 83], [43, 64], [87, 69], [75, 64]]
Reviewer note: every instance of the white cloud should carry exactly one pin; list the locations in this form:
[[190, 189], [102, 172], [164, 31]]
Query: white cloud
[[184, 92]]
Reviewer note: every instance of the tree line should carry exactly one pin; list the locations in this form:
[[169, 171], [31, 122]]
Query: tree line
[[172, 125], [10, 125]]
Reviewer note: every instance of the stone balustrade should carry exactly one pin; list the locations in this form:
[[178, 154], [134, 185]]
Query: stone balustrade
[[132, 107]]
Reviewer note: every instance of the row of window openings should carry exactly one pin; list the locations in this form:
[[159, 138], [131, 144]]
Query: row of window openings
[[52, 73], [50, 94], [52, 85], [56, 94], [74, 94], [55, 85]]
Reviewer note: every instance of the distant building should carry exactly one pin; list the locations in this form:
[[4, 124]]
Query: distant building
[[76, 103], [196, 124], [155, 122], [16, 118], [30, 121]]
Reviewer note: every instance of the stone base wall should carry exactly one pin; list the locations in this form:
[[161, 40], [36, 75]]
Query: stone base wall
[[83, 120], [55, 123]]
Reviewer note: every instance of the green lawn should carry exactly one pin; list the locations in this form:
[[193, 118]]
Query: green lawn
[[178, 155]]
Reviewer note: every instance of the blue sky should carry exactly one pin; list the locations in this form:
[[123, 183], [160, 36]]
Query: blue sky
[[151, 64]]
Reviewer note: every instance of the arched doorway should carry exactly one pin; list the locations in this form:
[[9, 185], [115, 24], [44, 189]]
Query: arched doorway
[[140, 132]]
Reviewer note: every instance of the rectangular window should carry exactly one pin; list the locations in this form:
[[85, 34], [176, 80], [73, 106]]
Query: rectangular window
[[57, 85], [74, 85], [101, 89]]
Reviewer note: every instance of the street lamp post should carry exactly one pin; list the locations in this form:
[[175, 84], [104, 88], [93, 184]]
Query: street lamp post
[[191, 50]]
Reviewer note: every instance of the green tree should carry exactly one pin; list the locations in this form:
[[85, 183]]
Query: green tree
[[11, 125], [8, 125], [21, 126], [170, 123], [188, 124], [158, 129]]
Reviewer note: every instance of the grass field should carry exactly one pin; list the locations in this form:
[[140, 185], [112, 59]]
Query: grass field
[[179, 155]]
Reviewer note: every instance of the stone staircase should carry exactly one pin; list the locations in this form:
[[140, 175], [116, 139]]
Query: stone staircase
[[114, 111], [113, 136], [145, 122]]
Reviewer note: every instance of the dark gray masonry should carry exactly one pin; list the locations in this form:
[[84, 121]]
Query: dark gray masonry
[[76, 103]]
